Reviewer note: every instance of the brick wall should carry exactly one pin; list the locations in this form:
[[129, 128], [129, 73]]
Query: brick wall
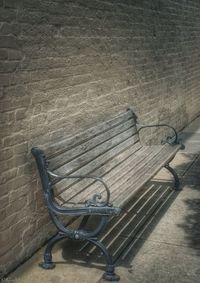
[[64, 65]]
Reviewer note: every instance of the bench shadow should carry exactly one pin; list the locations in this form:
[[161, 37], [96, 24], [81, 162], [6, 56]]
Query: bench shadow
[[128, 241]]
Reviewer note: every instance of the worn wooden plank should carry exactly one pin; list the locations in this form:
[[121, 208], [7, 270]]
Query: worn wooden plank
[[146, 173], [77, 151], [99, 162], [91, 155], [73, 187], [124, 179], [109, 176], [118, 176], [131, 177], [70, 142]]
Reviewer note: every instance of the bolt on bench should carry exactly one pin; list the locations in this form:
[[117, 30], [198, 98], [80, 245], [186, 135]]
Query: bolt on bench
[[96, 173]]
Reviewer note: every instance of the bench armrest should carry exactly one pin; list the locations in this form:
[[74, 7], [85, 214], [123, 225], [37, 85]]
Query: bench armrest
[[170, 139], [90, 210], [94, 201], [92, 206]]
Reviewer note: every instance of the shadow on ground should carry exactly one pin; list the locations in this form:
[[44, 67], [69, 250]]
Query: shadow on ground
[[147, 208], [122, 239]]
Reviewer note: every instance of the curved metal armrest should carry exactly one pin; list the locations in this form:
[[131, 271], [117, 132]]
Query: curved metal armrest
[[98, 179], [90, 210], [169, 140]]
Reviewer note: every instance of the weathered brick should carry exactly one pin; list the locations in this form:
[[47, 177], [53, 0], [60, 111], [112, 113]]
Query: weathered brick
[[7, 237], [43, 220], [7, 14], [21, 148], [9, 28], [28, 234], [16, 206], [4, 201], [4, 240], [15, 254], [13, 4], [4, 80], [8, 66], [6, 153], [14, 184], [3, 54], [20, 114], [14, 54], [7, 117], [14, 139], [8, 175], [7, 222], [2, 214], [8, 41], [18, 193], [16, 91]]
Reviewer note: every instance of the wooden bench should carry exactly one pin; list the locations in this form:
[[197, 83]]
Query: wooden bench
[[96, 173]]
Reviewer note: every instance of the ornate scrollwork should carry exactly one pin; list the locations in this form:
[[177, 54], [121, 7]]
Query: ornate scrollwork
[[95, 201]]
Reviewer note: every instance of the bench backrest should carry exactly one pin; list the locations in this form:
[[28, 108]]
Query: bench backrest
[[94, 152]]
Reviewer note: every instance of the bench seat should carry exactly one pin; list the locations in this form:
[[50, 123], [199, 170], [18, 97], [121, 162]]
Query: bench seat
[[131, 170]]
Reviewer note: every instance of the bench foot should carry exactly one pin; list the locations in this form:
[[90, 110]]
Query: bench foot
[[177, 183], [111, 276], [47, 265]]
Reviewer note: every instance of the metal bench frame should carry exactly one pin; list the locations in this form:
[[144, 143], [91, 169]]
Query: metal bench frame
[[92, 207]]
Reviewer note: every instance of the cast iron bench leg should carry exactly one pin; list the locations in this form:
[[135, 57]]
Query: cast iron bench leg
[[177, 183], [110, 274], [48, 263]]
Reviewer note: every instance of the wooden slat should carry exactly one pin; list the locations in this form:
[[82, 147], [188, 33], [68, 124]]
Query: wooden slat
[[71, 154], [75, 187], [126, 178], [147, 172], [85, 189], [91, 155], [122, 180], [70, 142], [99, 162], [117, 176], [144, 166]]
